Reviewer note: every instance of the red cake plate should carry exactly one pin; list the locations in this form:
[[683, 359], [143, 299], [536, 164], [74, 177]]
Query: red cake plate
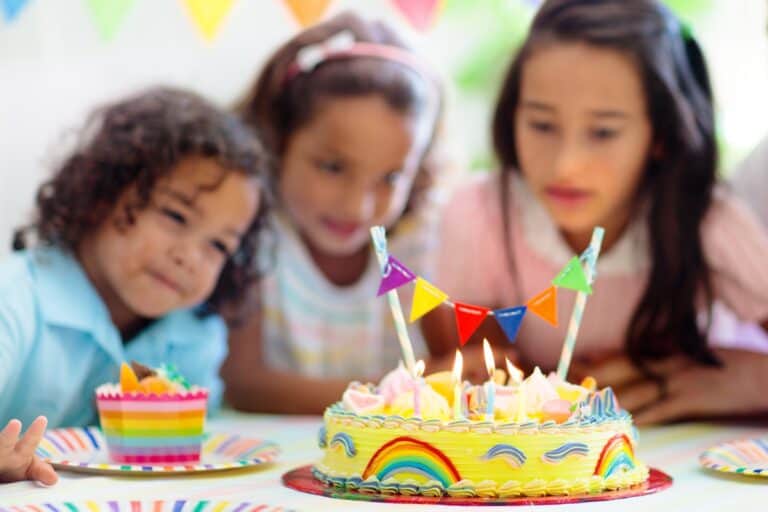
[[301, 479]]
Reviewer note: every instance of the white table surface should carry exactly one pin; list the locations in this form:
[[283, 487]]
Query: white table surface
[[673, 449]]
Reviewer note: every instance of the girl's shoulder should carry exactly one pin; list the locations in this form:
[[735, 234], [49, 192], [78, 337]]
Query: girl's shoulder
[[729, 213]]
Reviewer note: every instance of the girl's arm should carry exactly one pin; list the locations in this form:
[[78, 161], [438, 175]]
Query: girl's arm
[[250, 385]]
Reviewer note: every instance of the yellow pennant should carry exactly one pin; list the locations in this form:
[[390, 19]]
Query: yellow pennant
[[307, 12], [208, 15], [426, 297]]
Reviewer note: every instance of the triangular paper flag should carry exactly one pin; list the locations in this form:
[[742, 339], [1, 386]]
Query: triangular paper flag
[[307, 12], [426, 297], [468, 319], [12, 8], [395, 275], [208, 15], [545, 305], [108, 15], [510, 319], [420, 13], [573, 277]]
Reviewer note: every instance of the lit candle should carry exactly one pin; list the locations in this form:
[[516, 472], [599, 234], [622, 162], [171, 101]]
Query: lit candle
[[516, 376], [418, 371], [490, 386], [458, 363]]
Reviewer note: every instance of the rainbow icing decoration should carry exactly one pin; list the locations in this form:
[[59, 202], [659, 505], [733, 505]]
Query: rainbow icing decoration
[[567, 450], [408, 455], [617, 456], [322, 437], [510, 454], [153, 429], [346, 442]]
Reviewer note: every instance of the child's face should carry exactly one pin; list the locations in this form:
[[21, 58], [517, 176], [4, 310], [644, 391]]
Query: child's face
[[172, 254], [582, 135], [350, 167]]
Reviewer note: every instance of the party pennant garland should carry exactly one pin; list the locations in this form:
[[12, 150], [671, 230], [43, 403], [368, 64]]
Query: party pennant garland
[[108, 15], [307, 12], [419, 13], [427, 297], [208, 15], [468, 319], [12, 8], [394, 276]]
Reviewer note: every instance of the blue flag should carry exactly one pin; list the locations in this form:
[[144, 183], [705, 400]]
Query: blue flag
[[510, 319]]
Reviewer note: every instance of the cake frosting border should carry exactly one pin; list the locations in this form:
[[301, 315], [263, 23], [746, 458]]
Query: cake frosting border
[[615, 420]]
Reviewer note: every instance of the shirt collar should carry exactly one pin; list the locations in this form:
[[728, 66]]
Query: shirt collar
[[628, 255], [67, 298]]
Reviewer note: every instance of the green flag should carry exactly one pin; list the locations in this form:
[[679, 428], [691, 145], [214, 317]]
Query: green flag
[[572, 277], [107, 15]]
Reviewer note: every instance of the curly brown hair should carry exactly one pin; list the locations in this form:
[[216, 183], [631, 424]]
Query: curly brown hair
[[134, 143], [276, 107]]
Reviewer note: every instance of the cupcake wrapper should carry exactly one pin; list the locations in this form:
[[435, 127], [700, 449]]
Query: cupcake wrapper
[[152, 429]]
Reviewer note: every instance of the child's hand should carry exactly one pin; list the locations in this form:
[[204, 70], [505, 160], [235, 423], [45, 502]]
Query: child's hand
[[690, 389], [17, 456]]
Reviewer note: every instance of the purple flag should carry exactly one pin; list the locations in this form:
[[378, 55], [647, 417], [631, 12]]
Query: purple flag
[[510, 319], [394, 276]]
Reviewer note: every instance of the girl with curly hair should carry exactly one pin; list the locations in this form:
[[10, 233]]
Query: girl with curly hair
[[144, 233], [350, 115]]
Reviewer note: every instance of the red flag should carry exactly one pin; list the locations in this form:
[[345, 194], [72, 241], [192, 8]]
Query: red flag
[[468, 319]]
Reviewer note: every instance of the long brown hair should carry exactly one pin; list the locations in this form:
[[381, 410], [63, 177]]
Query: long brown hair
[[678, 182], [276, 106]]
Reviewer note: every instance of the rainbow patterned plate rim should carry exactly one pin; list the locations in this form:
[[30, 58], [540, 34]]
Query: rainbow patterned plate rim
[[742, 457], [181, 505], [301, 479], [83, 449]]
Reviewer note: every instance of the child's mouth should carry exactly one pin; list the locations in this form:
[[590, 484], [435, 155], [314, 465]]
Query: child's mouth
[[341, 228], [165, 281], [567, 196]]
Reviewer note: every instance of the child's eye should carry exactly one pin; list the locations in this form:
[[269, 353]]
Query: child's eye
[[221, 247], [175, 216], [603, 133], [392, 177], [330, 166], [541, 126]]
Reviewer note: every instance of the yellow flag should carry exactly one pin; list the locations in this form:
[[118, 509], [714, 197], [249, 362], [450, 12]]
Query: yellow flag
[[307, 12], [208, 15], [426, 297]]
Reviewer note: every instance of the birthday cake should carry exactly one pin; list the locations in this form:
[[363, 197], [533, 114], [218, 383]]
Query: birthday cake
[[152, 416], [437, 436]]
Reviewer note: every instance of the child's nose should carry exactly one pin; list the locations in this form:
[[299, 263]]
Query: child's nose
[[358, 204], [571, 160]]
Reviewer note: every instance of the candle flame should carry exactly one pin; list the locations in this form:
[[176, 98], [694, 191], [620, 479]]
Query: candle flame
[[490, 364], [418, 368], [458, 364], [515, 374]]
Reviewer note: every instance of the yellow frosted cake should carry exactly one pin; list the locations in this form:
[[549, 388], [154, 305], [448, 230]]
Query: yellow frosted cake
[[541, 436]]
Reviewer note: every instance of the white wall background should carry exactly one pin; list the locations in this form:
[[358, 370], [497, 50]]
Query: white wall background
[[54, 68]]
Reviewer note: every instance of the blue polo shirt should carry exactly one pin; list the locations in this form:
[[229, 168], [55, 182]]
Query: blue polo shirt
[[58, 343]]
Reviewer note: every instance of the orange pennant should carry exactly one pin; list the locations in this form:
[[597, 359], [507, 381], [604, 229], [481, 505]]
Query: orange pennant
[[307, 12], [468, 319], [208, 15], [545, 305]]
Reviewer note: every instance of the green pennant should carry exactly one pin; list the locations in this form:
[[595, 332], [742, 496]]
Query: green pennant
[[572, 277], [107, 15]]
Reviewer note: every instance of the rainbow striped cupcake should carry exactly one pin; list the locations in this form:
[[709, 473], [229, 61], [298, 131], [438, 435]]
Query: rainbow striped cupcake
[[152, 425]]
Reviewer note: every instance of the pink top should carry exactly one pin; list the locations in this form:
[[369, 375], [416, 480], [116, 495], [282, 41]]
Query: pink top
[[473, 267]]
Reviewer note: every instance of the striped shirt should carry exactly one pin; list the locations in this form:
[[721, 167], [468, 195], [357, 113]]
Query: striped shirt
[[319, 329]]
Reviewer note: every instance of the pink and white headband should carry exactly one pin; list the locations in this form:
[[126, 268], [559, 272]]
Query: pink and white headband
[[343, 45]]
